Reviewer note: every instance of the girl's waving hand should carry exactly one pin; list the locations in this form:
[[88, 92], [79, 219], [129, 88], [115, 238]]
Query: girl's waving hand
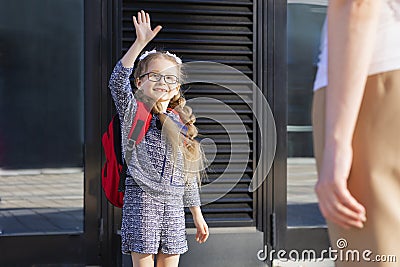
[[144, 33]]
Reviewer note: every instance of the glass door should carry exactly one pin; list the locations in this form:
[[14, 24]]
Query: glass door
[[306, 228], [305, 19], [296, 226]]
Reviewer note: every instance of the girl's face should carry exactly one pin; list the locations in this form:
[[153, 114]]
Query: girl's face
[[160, 81]]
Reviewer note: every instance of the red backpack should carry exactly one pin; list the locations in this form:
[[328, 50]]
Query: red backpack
[[113, 173]]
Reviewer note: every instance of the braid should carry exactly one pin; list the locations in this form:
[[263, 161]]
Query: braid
[[192, 148], [178, 103]]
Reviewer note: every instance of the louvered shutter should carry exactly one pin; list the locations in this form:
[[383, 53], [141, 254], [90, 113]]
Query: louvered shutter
[[223, 32]]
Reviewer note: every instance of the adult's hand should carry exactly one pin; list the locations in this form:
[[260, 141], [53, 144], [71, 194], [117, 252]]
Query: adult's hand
[[335, 200]]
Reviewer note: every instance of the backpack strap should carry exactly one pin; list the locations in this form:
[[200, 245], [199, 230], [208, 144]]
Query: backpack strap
[[140, 125]]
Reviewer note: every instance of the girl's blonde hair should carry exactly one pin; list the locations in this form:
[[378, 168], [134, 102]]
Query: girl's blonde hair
[[193, 154]]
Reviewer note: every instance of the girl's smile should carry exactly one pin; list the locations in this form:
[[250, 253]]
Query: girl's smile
[[160, 89], [164, 70]]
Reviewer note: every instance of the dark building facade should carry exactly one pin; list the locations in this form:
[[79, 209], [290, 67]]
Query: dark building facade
[[55, 61]]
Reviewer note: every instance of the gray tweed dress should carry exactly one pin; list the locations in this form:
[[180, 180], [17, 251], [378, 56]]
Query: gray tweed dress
[[153, 217]]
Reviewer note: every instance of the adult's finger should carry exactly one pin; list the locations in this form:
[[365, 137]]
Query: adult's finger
[[329, 216], [351, 203], [339, 214], [334, 210], [342, 200], [139, 17]]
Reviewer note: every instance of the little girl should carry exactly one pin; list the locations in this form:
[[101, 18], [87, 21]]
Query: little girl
[[163, 169]]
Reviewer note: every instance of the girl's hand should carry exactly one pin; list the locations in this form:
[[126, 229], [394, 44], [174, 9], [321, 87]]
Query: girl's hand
[[144, 33], [202, 229], [335, 201]]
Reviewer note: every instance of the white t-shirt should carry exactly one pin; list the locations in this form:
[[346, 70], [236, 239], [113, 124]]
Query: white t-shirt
[[386, 55]]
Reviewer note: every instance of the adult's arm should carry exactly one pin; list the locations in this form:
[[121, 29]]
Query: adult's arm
[[352, 26]]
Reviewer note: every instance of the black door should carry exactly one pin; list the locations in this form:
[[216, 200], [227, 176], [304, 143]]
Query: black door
[[222, 32], [50, 133]]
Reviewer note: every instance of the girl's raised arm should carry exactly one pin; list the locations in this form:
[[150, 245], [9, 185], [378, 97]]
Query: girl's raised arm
[[119, 83]]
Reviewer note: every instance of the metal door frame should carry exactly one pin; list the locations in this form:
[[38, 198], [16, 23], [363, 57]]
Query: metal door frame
[[273, 70]]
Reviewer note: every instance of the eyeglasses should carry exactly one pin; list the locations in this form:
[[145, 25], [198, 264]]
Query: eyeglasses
[[155, 77]]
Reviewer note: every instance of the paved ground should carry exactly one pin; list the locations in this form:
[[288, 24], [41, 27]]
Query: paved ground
[[302, 202], [41, 201]]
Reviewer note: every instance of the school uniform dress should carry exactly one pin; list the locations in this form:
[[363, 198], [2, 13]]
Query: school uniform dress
[[153, 217], [374, 179]]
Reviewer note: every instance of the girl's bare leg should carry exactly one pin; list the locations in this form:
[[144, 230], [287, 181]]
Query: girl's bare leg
[[142, 260], [167, 260]]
